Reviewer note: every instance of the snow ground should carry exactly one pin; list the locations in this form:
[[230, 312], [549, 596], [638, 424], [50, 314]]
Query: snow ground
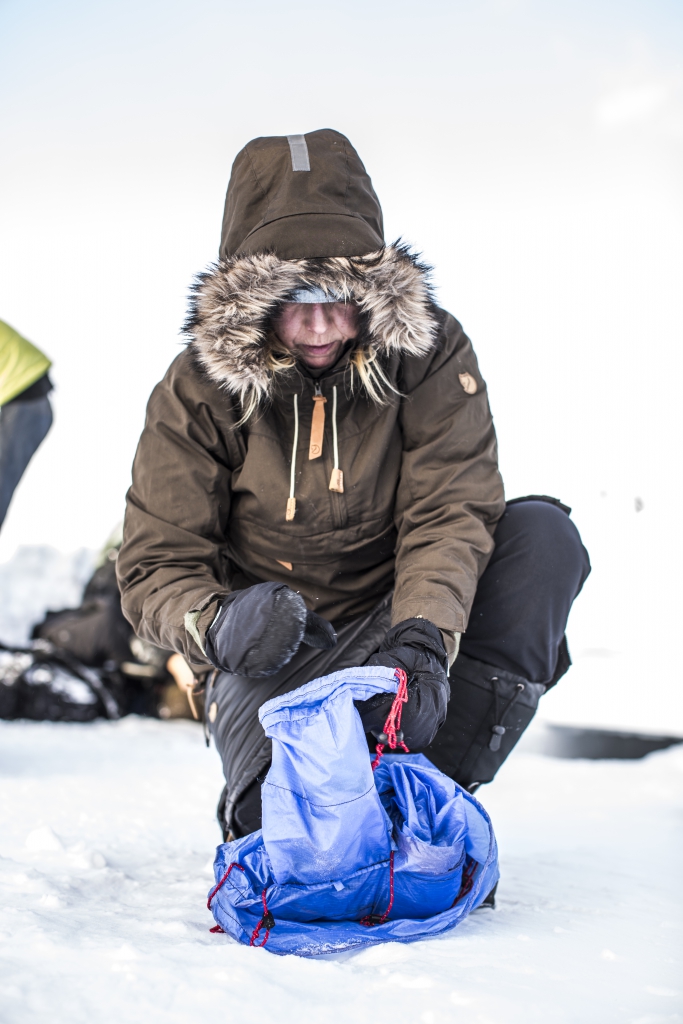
[[107, 834], [106, 837]]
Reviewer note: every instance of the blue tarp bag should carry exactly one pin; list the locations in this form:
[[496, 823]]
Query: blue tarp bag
[[352, 851]]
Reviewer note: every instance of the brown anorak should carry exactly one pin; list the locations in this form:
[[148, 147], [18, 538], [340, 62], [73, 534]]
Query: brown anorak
[[206, 512]]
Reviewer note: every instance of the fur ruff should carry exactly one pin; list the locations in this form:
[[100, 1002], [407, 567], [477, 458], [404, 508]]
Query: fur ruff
[[232, 302]]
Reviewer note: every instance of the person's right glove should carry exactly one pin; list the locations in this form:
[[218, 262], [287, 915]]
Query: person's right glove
[[415, 645], [258, 630]]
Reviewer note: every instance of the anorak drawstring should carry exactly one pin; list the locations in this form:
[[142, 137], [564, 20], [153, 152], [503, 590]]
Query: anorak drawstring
[[291, 501], [315, 447], [337, 477]]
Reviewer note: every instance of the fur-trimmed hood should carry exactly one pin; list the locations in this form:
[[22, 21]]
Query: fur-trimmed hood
[[232, 304]]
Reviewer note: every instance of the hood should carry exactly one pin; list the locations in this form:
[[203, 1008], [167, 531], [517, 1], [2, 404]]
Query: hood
[[301, 211], [301, 196]]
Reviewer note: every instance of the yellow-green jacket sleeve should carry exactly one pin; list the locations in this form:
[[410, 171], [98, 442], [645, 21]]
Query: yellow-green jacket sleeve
[[21, 363]]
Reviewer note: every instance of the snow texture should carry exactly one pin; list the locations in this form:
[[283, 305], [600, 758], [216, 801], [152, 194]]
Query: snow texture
[[35, 579], [107, 835]]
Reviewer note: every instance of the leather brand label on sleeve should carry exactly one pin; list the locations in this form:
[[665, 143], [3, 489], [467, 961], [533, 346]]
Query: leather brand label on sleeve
[[469, 384]]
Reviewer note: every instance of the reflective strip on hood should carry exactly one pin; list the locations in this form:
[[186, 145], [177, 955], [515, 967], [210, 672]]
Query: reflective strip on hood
[[299, 151]]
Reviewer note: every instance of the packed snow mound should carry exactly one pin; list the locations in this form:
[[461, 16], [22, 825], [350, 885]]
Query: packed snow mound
[[107, 835], [37, 579]]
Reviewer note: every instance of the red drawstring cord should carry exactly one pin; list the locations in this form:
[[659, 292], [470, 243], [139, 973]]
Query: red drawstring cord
[[372, 919], [392, 735], [267, 921], [467, 881], [222, 882], [217, 930]]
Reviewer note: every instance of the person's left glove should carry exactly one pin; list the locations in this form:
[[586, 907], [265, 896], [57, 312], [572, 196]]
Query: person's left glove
[[259, 630], [415, 645]]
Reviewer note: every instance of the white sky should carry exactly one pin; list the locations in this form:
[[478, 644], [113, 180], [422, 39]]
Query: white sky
[[532, 151]]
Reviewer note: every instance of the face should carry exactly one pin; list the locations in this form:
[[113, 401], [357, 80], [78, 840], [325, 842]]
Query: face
[[316, 332]]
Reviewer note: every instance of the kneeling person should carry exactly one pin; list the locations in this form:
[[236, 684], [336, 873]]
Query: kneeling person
[[317, 487]]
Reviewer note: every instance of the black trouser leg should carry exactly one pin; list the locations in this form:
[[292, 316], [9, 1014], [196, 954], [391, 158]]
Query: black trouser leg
[[514, 648]]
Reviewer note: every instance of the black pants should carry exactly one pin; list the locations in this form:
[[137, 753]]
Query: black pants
[[524, 597], [513, 651], [514, 648]]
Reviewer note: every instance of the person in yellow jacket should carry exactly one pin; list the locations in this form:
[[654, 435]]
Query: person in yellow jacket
[[25, 411]]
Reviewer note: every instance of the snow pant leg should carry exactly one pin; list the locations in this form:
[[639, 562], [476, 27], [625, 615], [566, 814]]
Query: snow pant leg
[[243, 748], [524, 597], [246, 817], [514, 648], [23, 426]]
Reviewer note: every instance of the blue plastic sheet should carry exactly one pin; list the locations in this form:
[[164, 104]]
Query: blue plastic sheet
[[337, 837]]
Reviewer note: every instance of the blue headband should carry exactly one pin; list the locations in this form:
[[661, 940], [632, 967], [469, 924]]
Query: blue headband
[[313, 294]]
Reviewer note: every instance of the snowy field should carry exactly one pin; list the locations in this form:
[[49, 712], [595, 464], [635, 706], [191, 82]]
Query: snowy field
[[106, 838], [107, 833]]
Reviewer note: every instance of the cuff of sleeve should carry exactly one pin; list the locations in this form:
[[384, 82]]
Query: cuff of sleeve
[[451, 641], [447, 615], [198, 620]]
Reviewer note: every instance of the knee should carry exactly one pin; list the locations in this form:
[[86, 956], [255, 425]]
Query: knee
[[547, 536]]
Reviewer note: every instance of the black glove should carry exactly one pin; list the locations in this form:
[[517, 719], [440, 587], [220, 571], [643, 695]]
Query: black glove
[[415, 645], [258, 630]]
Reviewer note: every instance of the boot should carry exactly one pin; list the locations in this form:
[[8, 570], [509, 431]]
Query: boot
[[488, 711]]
